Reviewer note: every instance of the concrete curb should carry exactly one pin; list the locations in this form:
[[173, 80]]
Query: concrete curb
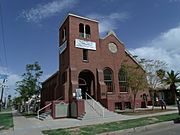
[[139, 129]]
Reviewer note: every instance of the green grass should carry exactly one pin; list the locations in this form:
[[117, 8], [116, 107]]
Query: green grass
[[113, 126], [6, 121], [6, 110], [143, 112]]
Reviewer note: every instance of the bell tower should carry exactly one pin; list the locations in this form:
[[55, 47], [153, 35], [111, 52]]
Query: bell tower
[[79, 47]]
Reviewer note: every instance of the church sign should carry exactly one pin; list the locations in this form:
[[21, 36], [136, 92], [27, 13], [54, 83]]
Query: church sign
[[85, 44], [63, 47]]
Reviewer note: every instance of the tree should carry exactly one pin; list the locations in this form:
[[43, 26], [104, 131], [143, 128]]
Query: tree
[[155, 71], [17, 102], [9, 101], [171, 78], [30, 84], [136, 79]]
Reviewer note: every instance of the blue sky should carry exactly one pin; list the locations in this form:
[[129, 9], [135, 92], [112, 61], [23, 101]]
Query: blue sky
[[148, 28]]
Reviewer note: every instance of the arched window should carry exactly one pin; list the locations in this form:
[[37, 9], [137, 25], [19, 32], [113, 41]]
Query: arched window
[[84, 31], [81, 30], [122, 75], [64, 77], [85, 55], [88, 31], [63, 34], [108, 79]]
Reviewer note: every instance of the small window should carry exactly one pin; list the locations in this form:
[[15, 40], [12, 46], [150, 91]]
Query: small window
[[84, 31], [64, 34], [64, 77], [88, 31], [85, 55], [62, 60], [118, 106], [127, 105], [108, 79], [123, 80], [81, 30]]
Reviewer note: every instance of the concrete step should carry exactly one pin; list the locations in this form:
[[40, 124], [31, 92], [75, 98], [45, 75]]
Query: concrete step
[[45, 115], [40, 118], [95, 111]]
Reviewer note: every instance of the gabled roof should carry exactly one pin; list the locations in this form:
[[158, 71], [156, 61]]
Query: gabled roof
[[85, 18], [134, 59], [126, 51], [111, 32], [53, 75]]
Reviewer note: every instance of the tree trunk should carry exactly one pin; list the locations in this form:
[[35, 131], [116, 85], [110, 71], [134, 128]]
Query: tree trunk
[[173, 89], [153, 99], [134, 106], [146, 104], [153, 104]]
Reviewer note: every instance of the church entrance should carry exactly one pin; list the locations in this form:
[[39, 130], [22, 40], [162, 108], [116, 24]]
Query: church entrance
[[86, 83]]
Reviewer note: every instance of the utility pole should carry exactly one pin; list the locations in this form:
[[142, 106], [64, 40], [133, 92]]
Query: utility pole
[[2, 94]]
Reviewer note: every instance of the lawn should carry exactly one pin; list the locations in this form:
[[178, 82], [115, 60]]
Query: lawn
[[143, 112], [113, 126], [6, 121], [6, 110]]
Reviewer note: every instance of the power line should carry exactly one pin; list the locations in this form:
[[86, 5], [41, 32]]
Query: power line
[[1, 63], [3, 37]]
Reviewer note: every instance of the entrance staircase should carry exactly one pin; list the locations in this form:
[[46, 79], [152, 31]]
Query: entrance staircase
[[44, 116], [94, 110]]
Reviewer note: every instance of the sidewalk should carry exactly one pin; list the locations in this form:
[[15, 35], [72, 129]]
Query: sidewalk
[[33, 126], [67, 123], [22, 126]]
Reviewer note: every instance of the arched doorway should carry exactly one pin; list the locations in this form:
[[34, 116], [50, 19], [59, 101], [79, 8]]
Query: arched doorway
[[86, 83]]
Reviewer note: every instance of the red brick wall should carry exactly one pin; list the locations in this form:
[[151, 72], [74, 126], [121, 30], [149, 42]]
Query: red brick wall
[[71, 61], [48, 91]]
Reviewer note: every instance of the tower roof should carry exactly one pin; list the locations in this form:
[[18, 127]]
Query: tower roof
[[85, 18], [81, 17]]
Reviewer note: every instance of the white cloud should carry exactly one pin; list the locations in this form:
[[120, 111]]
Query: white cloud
[[165, 47], [42, 11], [11, 82], [109, 22], [174, 0], [12, 79], [3, 70]]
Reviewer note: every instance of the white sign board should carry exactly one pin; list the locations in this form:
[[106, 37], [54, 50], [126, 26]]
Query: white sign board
[[63, 47], [85, 44], [78, 93]]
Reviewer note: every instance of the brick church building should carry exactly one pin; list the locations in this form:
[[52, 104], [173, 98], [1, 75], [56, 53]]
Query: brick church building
[[90, 64]]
